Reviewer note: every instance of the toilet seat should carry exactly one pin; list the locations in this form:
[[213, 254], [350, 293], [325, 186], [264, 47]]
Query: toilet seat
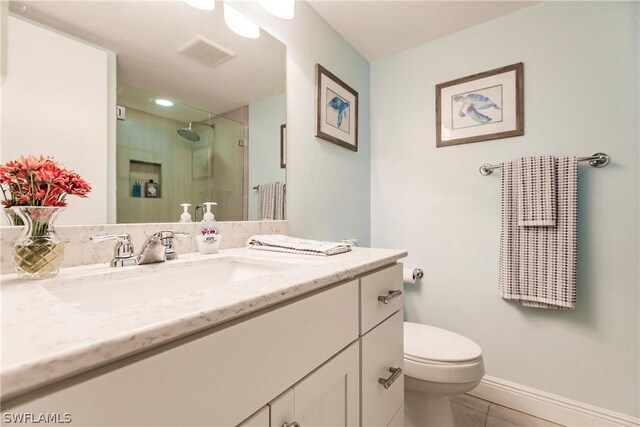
[[436, 355], [428, 343]]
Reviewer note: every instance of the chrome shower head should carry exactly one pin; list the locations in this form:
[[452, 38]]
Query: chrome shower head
[[189, 134]]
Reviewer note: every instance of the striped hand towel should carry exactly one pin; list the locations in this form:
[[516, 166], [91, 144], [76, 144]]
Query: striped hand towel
[[538, 264], [536, 189], [294, 245], [271, 201]]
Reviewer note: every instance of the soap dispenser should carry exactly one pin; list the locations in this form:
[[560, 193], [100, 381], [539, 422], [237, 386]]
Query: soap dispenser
[[185, 216], [209, 236]]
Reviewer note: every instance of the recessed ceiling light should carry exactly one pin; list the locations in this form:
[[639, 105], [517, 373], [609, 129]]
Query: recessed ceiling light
[[164, 102], [240, 24], [281, 8], [201, 4]]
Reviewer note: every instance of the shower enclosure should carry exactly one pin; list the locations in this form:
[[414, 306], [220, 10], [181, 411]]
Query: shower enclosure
[[179, 154]]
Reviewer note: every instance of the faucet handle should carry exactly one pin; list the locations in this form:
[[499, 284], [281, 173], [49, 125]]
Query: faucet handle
[[168, 234], [167, 238], [123, 249], [98, 239]]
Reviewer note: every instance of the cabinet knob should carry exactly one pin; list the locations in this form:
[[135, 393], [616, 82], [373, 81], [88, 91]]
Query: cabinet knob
[[386, 382], [293, 424], [391, 295]]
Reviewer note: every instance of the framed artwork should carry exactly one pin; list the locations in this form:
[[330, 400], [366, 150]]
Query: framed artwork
[[283, 146], [336, 110], [480, 107]]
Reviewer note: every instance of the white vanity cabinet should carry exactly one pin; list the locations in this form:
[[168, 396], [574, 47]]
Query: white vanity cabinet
[[329, 396], [315, 360]]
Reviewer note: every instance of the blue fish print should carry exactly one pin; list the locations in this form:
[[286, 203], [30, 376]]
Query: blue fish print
[[474, 102], [340, 107]]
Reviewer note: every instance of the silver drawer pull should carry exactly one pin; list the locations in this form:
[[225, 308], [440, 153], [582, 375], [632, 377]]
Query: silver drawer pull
[[395, 373], [392, 294], [293, 424]]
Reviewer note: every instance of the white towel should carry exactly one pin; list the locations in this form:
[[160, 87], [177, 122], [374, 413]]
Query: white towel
[[294, 245], [536, 189], [271, 201], [538, 264]]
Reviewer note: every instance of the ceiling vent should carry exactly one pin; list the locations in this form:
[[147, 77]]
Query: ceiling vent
[[206, 51]]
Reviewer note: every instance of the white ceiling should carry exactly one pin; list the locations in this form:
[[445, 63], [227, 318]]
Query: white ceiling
[[378, 29], [146, 36]]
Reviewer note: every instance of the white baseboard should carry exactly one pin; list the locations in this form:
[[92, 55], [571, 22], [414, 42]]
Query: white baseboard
[[549, 406]]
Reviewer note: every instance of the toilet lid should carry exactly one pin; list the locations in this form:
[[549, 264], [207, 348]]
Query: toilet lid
[[429, 343]]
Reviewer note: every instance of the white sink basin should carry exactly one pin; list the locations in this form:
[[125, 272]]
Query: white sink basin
[[118, 289]]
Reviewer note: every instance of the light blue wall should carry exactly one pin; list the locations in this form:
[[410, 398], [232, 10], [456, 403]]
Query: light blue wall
[[265, 118], [581, 96], [328, 187]]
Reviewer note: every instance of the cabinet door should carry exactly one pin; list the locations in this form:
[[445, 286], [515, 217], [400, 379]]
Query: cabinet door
[[259, 419], [382, 352], [329, 396], [283, 409]]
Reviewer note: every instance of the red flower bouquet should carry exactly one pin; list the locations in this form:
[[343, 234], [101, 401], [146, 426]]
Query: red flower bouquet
[[37, 189], [39, 181]]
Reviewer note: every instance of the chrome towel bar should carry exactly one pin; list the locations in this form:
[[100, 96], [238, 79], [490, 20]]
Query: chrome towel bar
[[257, 187], [597, 160]]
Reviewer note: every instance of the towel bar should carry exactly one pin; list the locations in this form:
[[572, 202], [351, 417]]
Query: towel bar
[[597, 160], [257, 187]]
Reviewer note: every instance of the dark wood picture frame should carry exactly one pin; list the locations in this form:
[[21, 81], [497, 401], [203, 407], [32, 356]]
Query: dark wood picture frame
[[347, 96], [283, 146], [517, 114]]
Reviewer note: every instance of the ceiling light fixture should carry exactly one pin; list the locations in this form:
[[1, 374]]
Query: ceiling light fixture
[[240, 24], [281, 8], [164, 102], [201, 4]]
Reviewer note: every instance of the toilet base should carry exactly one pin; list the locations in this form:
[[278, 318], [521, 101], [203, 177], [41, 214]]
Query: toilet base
[[426, 410]]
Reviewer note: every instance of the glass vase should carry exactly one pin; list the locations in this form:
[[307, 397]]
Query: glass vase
[[12, 217], [38, 253]]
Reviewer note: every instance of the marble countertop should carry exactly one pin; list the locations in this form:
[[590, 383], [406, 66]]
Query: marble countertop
[[46, 339]]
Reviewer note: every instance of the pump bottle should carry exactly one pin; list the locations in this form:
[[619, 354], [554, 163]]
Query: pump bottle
[[185, 216], [208, 237]]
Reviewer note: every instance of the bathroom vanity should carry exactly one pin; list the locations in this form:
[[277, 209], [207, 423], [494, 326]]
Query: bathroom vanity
[[244, 337]]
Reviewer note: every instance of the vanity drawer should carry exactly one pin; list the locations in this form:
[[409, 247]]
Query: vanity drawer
[[373, 286], [382, 349]]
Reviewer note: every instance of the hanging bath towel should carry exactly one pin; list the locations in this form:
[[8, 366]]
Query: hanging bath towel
[[271, 201], [538, 264], [537, 190]]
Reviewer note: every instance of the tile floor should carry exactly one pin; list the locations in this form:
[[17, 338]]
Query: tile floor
[[469, 411]]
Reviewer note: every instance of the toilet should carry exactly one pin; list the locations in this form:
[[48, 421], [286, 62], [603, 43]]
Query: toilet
[[437, 364]]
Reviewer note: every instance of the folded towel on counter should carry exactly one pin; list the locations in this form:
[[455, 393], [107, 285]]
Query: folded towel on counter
[[294, 245], [538, 264], [536, 189]]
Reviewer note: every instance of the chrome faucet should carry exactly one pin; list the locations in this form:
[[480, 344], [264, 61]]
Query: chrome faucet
[[167, 238], [158, 247]]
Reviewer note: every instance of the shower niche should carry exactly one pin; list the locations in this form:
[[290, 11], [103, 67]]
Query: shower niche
[[145, 179], [178, 154]]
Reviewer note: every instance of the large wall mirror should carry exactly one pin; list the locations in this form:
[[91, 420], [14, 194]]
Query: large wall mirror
[[188, 112]]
